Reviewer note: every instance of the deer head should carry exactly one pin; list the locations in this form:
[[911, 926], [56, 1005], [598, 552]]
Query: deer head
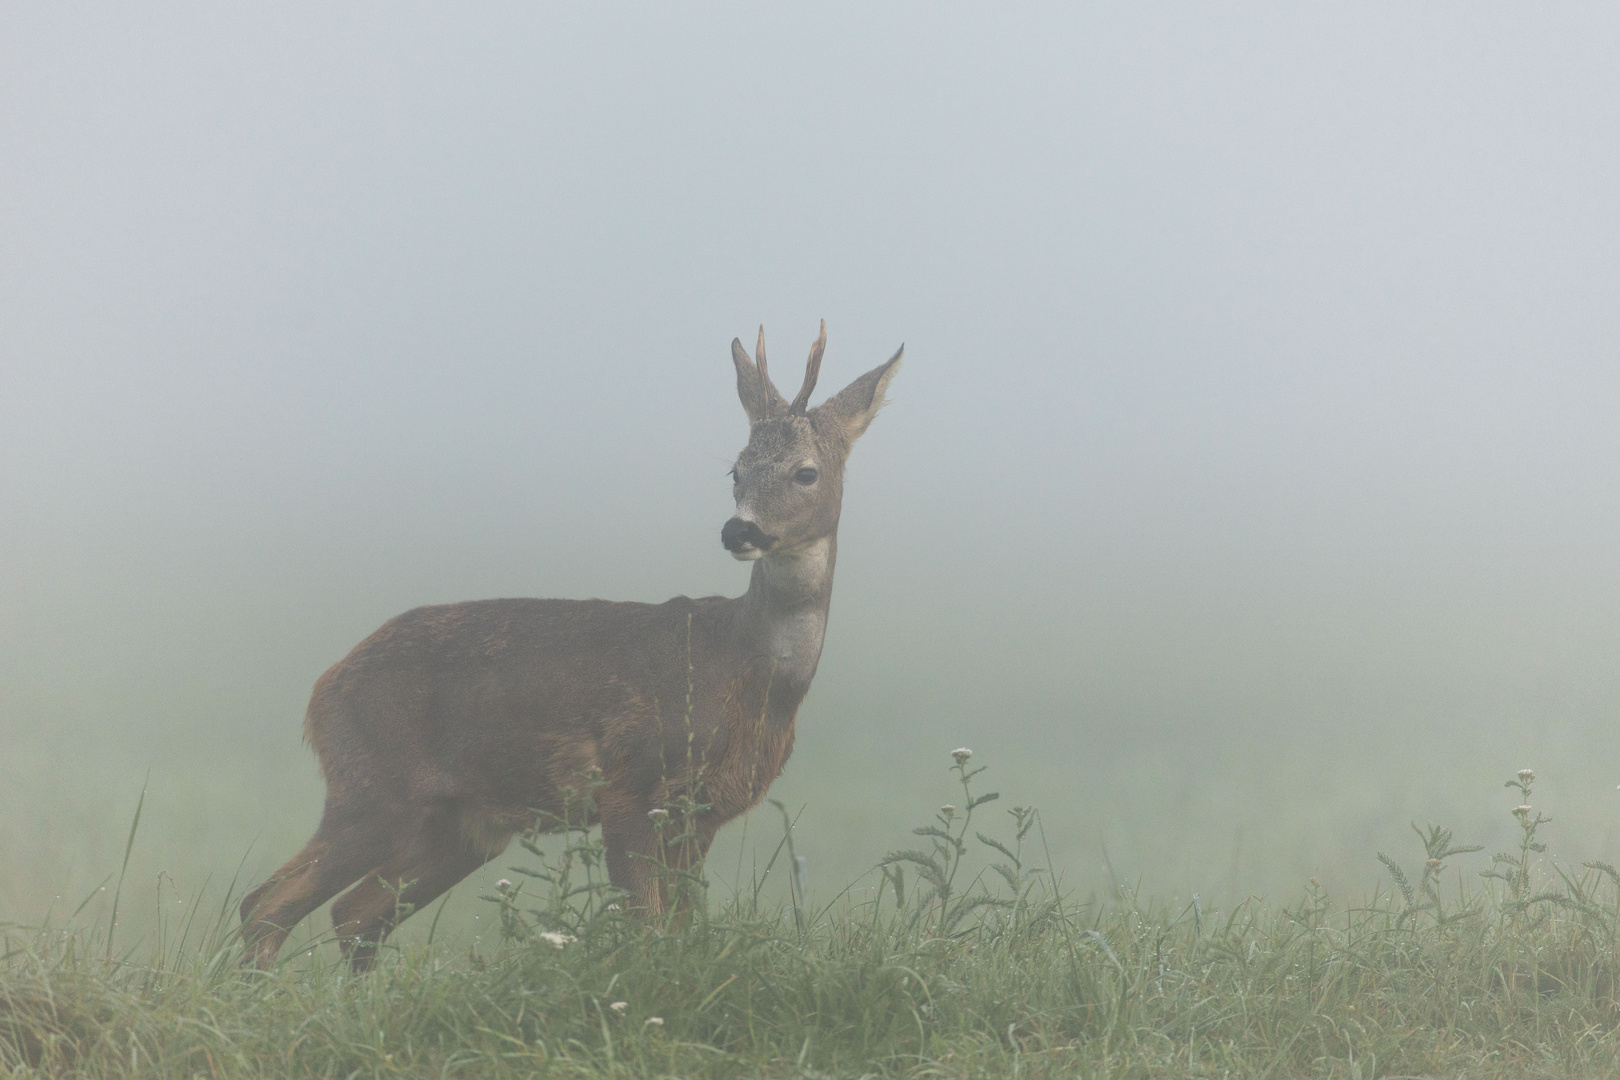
[[789, 480]]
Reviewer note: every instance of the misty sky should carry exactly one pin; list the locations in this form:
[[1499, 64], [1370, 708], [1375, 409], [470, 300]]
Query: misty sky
[[1262, 393]]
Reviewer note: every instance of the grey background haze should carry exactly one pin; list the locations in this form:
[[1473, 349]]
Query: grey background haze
[[1251, 489]]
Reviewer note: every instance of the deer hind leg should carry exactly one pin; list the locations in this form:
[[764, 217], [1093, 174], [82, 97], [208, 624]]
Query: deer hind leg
[[339, 852], [436, 857]]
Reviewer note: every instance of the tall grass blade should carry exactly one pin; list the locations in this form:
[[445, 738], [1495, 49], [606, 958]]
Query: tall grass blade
[[129, 846]]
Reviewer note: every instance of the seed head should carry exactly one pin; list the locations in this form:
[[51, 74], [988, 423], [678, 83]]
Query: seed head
[[961, 754], [1526, 775], [1434, 866], [1522, 811]]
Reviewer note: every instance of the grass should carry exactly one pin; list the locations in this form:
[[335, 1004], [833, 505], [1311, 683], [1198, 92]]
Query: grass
[[962, 957]]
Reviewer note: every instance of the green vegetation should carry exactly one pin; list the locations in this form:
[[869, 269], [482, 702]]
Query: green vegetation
[[962, 957]]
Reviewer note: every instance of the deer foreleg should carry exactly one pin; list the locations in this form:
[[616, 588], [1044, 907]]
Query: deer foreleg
[[648, 859], [633, 857]]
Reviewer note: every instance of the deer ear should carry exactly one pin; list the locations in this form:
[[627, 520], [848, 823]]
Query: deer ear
[[853, 407], [760, 398]]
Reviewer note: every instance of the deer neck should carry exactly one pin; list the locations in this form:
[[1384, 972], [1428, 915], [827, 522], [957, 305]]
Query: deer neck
[[784, 612]]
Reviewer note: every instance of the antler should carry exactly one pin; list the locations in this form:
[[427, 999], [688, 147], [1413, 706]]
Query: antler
[[812, 370], [764, 379]]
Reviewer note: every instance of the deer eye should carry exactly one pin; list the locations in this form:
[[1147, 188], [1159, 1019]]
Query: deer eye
[[806, 476], [735, 478]]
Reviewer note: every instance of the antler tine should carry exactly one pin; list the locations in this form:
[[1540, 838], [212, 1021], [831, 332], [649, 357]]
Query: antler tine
[[764, 379], [812, 371]]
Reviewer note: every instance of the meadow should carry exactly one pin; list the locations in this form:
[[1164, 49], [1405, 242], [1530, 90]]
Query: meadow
[[960, 955], [1249, 493]]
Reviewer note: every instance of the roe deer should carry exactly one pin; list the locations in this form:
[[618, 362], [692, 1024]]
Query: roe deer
[[443, 733]]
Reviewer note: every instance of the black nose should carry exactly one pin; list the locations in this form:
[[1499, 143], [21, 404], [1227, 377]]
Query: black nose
[[737, 534]]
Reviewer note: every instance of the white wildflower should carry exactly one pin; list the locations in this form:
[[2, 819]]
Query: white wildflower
[[1526, 775], [619, 1006], [504, 884], [659, 815], [557, 938], [655, 1021], [1522, 811], [961, 754]]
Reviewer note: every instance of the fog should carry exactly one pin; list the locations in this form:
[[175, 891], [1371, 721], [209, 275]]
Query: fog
[[1251, 488]]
